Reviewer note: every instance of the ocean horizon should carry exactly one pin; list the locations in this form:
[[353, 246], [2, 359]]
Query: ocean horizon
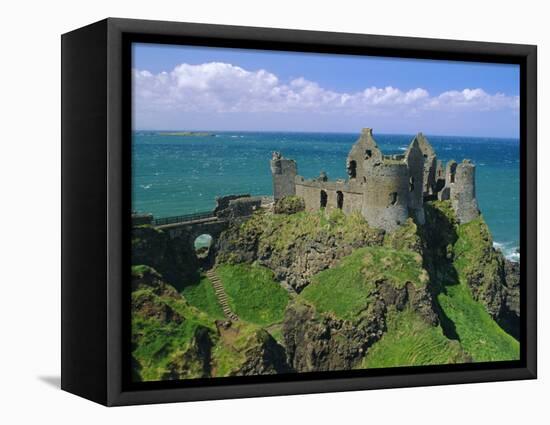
[[183, 174]]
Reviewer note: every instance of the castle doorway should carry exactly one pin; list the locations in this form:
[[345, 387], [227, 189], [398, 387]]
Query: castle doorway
[[339, 199], [202, 245], [324, 199]]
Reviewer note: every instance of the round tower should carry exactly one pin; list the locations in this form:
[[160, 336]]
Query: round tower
[[463, 192], [386, 192]]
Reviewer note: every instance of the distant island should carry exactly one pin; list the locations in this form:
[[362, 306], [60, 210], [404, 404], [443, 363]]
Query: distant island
[[187, 134]]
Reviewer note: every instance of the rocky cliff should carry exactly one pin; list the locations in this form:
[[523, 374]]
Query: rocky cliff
[[355, 296]]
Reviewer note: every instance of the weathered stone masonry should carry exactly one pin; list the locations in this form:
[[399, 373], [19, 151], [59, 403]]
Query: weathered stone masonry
[[385, 189]]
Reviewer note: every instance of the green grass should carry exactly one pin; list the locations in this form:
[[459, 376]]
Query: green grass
[[202, 296], [344, 290], [479, 334], [410, 341], [253, 293]]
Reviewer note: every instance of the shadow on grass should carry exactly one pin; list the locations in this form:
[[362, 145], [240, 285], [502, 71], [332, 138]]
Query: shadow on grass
[[439, 235]]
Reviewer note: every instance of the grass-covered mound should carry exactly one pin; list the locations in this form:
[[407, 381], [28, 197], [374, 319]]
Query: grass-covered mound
[[202, 296], [345, 289], [253, 294], [410, 341], [342, 290]]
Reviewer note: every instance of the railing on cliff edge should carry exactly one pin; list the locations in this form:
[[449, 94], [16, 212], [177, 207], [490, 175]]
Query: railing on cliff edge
[[182, 218]]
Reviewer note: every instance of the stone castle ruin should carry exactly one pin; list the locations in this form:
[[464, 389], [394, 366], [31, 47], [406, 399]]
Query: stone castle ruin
[[385, 189]]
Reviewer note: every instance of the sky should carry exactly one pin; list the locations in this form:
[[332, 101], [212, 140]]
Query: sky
[[217, 89]]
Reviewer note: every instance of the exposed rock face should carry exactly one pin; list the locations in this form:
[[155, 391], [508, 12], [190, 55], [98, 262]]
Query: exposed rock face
[[511, 273], [194, 362], [305, 253], [247, 350], [265, 358], [320, 342]]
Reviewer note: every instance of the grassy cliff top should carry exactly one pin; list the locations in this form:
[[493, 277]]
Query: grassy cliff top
[[253, 293], [282, 230], [345, 290]]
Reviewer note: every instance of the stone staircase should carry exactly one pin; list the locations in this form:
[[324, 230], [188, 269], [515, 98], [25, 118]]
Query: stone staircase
[[221, 295]]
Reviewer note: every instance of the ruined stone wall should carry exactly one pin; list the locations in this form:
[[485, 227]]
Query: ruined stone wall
[[430, 164], [283, 172], [450, 176], [240, 207], [463, 193], [415, 163], [351, 194], [385, 202]]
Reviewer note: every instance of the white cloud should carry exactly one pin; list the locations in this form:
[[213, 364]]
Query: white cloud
[[222, 87]]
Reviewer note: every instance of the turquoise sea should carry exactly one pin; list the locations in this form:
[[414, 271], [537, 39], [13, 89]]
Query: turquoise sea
[[175, 175]]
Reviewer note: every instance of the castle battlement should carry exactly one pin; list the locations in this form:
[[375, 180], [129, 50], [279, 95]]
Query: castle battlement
[[385, 189]]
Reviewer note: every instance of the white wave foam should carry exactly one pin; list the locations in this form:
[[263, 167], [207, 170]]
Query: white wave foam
[[146, 186], [508, 249]]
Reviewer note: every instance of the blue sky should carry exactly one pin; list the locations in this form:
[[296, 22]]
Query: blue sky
[[184, 87]]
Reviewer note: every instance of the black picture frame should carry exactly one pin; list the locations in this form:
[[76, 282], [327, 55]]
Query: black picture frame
[[96, 124]]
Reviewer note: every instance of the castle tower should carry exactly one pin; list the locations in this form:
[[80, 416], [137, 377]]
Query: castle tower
[[415, 163], [430, 164], [463, 192], [386, 195], [283, 172], [363, 154]]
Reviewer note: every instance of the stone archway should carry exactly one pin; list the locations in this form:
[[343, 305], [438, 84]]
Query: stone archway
[[202, 245]]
